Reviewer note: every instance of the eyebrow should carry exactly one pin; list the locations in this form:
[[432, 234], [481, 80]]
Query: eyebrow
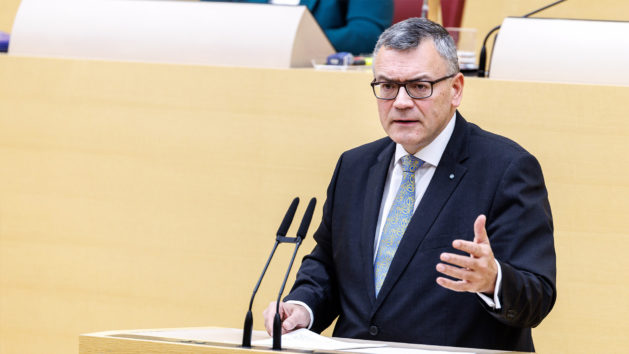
[[419, 78]]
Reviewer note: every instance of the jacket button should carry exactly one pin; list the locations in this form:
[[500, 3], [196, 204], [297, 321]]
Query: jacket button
[[373, 330]]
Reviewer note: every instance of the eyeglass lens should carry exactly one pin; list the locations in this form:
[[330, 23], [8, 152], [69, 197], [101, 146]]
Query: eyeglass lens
[[414, 89]]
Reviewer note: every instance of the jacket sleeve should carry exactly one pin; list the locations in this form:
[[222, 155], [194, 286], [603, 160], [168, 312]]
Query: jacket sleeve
[[520, 230]]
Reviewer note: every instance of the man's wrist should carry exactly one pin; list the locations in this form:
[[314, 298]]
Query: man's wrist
[[495, 302]]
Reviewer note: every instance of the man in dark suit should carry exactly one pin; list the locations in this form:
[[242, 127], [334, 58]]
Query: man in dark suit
[[440, 233]]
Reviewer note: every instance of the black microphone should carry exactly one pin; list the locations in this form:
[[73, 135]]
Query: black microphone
[[305, 221], [281, 232], [301, 233], [288, 218], [482, 58]]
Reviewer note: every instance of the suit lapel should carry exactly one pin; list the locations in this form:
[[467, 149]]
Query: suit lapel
[[447, 176], [373, 197]]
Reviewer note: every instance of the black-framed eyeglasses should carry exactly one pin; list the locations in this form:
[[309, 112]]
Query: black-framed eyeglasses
[[417, 89]]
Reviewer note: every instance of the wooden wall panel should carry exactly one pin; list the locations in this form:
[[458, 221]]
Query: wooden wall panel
[[135, 196], [146, 196]]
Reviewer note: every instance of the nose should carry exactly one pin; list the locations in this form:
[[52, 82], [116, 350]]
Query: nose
[[403, 100]]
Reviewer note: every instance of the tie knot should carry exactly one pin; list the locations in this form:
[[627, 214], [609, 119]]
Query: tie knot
[[410, 163]]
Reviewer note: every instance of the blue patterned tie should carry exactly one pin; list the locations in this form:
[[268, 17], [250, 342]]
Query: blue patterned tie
[[399, 217]]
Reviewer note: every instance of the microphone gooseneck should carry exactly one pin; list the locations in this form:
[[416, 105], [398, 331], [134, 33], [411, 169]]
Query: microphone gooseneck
[[482, 58], [281, 232], [303, 229]]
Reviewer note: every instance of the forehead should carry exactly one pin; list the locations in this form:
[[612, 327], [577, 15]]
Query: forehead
[[422, 62]]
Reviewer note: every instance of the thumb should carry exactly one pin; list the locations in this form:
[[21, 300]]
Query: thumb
[[288, 321], [480, 233], [288, 324], [296, 317]]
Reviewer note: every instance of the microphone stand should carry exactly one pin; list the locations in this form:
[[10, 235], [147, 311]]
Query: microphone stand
[[248, 327], [283, 229], [277, 321], [301, 233]]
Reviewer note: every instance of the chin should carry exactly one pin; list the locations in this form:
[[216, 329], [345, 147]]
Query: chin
[[406, 139]]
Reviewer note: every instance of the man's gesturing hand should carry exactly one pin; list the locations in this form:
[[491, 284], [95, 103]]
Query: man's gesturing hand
[[476, 272], [293, 317]]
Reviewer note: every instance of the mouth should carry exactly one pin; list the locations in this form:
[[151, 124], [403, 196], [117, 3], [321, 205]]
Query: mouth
[[405, 121]]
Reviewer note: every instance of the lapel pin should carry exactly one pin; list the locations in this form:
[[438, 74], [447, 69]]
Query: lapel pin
[[452, 176]]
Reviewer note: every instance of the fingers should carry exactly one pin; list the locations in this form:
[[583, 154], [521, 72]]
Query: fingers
[[474, 249], [296, 317], [293, 317], [269, 315], [455, 272], [478, 276], [476, 272], [468, 274], [458, 285], [290, 324], [477, 248], [461, 261], [480, 233]]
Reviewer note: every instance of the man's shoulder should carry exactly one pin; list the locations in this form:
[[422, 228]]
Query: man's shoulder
[[372, 149], [492, 144]]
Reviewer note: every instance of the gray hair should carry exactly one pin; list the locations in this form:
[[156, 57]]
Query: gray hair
[[409, 33]]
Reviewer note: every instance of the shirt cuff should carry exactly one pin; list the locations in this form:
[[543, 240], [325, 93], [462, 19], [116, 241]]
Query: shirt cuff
[[495, 302], [307, 308]]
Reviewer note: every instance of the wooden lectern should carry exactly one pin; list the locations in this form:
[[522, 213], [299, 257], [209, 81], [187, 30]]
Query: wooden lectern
[[223, 341]]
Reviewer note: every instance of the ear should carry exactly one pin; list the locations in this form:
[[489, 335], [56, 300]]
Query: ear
[[457, 90]]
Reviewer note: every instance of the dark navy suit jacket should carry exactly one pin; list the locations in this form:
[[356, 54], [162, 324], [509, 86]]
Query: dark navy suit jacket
[[479, 173]]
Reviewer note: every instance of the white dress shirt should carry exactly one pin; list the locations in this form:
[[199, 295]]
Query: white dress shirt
[[431, 155]]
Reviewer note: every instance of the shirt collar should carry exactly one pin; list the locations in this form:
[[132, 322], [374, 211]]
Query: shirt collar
[[431, 153]]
